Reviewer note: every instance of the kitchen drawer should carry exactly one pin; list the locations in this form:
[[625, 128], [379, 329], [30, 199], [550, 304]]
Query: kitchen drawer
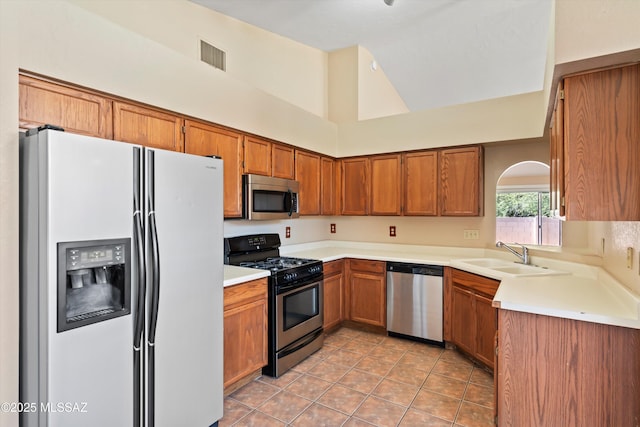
[[333, 267], [244, 293], [367, 265]]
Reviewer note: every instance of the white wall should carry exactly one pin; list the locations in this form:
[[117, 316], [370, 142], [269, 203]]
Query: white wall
[[376, 95], [503, 119], [590, 28], [293, 72]]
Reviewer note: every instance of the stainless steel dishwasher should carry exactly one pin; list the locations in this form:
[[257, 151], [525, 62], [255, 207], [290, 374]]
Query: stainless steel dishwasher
[[414, 301]]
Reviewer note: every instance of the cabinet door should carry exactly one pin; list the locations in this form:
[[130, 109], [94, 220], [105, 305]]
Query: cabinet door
[[602, 149], [74, 110], [463, 320], [308, 175], [282, 161], [257, 156], [420, 178], [386, 185], [328, 186], [245, 340], [461, 181], [486, 327], [203, 139], [556, 164], [144, 126], [245, 329], [355, 186], [333, 300], [367, 292]]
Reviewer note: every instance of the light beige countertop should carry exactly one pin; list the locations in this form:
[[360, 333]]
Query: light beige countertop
[[585, 293], [234, 275]]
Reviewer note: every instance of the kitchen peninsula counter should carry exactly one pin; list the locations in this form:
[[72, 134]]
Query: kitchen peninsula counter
[[587, 293]]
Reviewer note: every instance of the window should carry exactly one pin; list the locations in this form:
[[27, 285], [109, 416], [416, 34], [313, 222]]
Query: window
[[522, 206]]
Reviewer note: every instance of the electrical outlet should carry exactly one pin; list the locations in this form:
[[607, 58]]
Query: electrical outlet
[[392, 230], [629, 258], [471, 234], [333, 228], [287, 232]]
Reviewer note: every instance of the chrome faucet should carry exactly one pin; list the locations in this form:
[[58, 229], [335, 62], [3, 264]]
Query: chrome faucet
[[524, 257]]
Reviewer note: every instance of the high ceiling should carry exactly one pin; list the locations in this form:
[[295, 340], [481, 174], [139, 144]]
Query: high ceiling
[[434, 52]]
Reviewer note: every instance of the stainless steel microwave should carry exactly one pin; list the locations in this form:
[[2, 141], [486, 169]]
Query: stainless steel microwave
[[267, 197]]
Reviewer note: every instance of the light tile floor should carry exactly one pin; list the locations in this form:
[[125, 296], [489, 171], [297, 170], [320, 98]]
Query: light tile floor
[[363, 379]]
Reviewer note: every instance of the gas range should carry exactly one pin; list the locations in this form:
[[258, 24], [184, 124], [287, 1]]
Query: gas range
[[286, 270], [295, 298], [261, 251]]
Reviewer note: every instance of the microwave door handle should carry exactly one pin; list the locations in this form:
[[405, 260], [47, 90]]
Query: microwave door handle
[[288, 200]]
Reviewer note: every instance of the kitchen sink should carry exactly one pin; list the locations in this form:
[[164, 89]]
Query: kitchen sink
[[506, 268], [487, 262]]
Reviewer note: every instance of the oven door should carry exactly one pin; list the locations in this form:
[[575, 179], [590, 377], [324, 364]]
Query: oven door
[[298, 312]]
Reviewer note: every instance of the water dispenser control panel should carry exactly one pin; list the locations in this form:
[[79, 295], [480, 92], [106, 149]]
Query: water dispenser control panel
[[94, 281]]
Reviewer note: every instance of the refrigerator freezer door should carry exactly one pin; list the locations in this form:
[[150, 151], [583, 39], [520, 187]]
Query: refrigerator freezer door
[[83, 191], [188, 341]]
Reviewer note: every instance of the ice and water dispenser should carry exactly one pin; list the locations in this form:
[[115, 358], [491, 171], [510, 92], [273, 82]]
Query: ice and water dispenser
[[94, 281]]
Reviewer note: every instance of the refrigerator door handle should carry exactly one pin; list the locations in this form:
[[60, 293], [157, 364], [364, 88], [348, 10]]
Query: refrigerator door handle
[[154, 296], [140, 301]]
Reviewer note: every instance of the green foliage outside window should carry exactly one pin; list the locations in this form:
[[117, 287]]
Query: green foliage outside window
[[521, 204]]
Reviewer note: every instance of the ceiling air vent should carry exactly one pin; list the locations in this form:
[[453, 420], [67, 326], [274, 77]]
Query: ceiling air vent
[[213, 56]]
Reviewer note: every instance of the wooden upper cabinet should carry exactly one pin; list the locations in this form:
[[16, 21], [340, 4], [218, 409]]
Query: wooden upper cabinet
[[461, 181], [602, 145], [257, 156], [355, 186], [420, 178], [308, 175], [74, 110], [263, 157], [328, 186], [282, 161], [148, 127], [205, 140], [556, 164], [386, 185]]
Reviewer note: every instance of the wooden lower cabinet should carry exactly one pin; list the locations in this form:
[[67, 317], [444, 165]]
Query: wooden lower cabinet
[[472, 320], [367, 292], [245, 330], [562, 372], [333, 311]]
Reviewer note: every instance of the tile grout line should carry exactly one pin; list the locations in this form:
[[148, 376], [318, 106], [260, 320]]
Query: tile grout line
[[377, 342]]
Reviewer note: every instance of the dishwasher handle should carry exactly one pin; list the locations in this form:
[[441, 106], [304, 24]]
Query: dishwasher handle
[[419, 269]]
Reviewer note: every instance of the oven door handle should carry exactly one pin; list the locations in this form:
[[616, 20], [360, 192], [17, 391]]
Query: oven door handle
[[310, 338], [296, 286]]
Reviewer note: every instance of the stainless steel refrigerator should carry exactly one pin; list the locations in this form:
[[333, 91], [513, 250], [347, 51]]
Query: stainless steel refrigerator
[[121, 280]]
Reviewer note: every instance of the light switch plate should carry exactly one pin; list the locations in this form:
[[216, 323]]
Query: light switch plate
[[629, 257]]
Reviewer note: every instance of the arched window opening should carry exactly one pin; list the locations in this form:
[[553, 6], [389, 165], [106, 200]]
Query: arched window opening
[[522, 206]]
